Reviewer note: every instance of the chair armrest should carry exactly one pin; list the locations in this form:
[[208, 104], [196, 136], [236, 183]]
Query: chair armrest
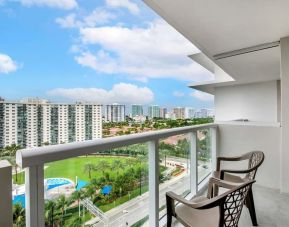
[[239, 171], [178, 198], [210, 203], [232, 159]]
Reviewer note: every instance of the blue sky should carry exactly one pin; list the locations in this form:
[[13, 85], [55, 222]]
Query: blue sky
[[104, 51]]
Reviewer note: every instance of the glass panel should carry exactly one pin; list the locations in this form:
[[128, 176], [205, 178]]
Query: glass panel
[[174, 168], [82, 190], [204, 152]]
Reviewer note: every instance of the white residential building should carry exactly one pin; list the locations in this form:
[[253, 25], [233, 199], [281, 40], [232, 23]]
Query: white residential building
[[189, 112], [34, 122], [179, 112], [115, 113]]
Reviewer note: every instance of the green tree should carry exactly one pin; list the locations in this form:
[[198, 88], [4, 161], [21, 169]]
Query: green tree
[[76, 222], [116, 166], [50, 213], [9, 153], [102, 165], [77, 196], [88, 168], [62, 203], [18, 215]]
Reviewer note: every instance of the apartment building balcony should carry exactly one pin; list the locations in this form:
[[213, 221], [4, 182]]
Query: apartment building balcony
[[221, 139], [245, 44]]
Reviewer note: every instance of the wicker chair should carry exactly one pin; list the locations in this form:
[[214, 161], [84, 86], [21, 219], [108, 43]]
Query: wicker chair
[[220, 211], [255, 160]]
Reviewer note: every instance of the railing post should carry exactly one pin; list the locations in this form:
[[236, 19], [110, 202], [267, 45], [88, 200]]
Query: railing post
[[193, 162], [153, 183], [34, 196], [214, 147], [6, 218]]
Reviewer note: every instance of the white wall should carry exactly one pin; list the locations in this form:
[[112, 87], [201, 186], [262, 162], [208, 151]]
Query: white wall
[[234, 140], [256, 102]]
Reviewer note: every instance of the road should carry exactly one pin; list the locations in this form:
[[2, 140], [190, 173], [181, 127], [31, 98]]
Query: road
[[138, 208]]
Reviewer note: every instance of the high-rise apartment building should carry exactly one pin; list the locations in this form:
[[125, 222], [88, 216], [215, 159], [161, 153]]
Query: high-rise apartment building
[[115, 113], [189, 113], [154, 111], [34, 122], [179, 112], [136, 110], [163, 112]]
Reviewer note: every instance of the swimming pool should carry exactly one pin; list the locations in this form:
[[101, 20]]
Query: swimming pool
[[49, 183], [56, 182]]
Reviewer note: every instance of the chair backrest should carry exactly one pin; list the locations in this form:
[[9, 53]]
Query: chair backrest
[[232, 204], [255, 161]]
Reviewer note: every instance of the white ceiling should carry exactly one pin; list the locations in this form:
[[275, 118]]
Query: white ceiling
[[216, 27]]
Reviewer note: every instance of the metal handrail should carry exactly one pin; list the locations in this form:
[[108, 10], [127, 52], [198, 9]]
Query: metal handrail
[[38, 156]]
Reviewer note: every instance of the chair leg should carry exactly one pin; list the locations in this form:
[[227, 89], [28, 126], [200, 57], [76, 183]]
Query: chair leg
[[169, 220], [251, 206], [170, 210]]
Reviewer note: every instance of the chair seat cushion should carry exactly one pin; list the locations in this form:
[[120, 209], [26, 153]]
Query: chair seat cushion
[[198, 218]]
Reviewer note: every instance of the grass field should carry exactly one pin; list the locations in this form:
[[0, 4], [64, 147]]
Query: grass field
[[70, 168]]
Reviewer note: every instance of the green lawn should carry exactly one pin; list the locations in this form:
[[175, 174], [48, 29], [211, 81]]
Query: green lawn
[[70, 168]]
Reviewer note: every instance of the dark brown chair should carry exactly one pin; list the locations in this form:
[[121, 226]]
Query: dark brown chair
[[255, 160], [220, 211]]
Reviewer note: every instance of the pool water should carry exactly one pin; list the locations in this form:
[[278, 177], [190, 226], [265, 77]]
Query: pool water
[[56, 182]]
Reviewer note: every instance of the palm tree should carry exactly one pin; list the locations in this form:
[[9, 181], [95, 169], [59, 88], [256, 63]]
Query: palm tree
[[49, 213], [102, 165], [90, 191], [9, 153], [76, 222], [88, 168], [18, 215], [77, 195], [117, 165], [62, 204]]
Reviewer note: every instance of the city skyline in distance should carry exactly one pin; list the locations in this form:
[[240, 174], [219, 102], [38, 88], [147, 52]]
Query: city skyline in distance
[[128, 107]]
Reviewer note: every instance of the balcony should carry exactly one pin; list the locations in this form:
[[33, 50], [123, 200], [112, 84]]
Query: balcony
[[190, 177], [148, 209]]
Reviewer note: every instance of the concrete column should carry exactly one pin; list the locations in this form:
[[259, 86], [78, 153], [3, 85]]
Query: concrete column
[[6, 218], [284, 45]]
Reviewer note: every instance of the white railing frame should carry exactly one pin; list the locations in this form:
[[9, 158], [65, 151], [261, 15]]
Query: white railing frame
[[33, 159]]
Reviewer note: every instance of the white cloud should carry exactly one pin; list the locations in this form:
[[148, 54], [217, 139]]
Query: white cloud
[[202, 96], [61, 4], [132, 7], [156, 51], [67, 22], [7, 65], [178, 93], [96, 17], [120, 93]]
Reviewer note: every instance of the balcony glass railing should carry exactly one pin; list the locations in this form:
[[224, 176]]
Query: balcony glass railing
[[204, 153], [118, 181], [174, 168]]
